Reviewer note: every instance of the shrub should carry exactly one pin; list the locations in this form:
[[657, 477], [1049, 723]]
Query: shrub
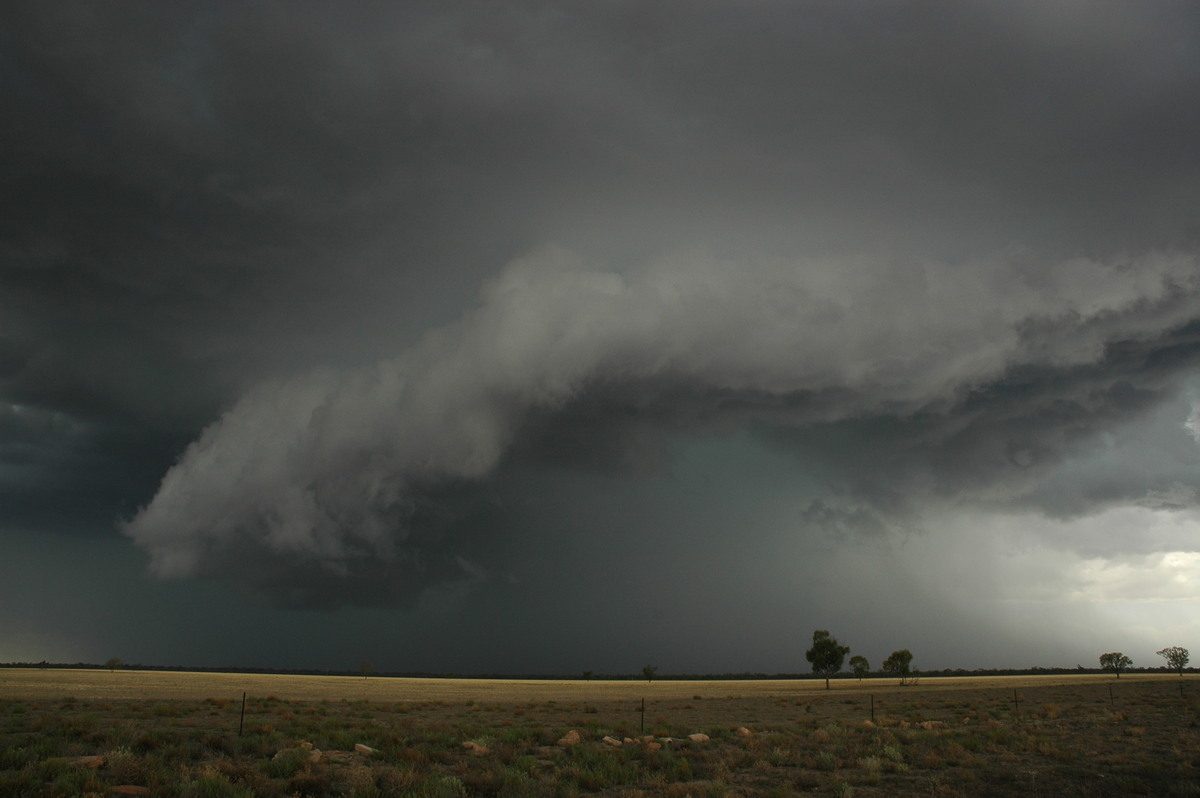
[[873, 765], [440, 787], [286, 763], [215, 786]]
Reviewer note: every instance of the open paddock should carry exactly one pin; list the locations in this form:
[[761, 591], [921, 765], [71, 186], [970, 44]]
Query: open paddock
[[184, 734], [124, 684]]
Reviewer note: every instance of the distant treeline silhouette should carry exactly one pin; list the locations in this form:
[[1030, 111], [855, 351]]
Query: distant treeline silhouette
[[638, 676]]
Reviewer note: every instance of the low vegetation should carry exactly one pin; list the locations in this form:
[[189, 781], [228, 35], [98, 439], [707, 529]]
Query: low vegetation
[[1083, 735]]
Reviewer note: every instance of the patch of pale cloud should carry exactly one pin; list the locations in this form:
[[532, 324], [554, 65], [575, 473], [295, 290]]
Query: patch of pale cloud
[[1175, 496], [1039, 581], [1151, 556], [1192, 424], [1163, 576], [1112, 534]]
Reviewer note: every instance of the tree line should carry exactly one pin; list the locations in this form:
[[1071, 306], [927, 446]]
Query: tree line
[[827, 657], [1177, 658]]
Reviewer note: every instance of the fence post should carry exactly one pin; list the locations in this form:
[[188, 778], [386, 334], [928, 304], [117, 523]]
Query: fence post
[[242, 720]]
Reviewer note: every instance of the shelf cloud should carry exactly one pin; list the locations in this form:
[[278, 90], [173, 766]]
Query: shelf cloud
[[975, 379]]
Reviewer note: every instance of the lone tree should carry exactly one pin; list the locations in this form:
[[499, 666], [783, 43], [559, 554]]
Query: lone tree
[[826, 655], [113, 663], [1177, 658], [649, 672], [1115, 661], [899, 664], [860, 666], [366, 668]]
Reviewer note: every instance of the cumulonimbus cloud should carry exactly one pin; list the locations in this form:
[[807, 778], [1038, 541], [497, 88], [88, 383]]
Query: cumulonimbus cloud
[[330, 473]]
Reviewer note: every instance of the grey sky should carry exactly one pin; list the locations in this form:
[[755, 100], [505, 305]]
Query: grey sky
[[575, 337]]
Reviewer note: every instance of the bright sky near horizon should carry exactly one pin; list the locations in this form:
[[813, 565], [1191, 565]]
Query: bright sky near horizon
[[540, 338]]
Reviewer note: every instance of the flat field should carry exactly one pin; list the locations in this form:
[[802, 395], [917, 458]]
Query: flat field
[[70, 733]]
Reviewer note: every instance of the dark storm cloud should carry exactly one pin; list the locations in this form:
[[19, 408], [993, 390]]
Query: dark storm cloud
[[1007, 440], [932, 251], [58, 472]]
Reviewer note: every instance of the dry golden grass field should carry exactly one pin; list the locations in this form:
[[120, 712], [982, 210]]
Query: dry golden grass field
[[70, 733], [187, 686]]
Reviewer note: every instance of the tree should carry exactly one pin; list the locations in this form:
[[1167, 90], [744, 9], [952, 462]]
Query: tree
[[826, 655], [860, 666], [587, 676], [899, 663], [1177, 658], [113, 663], [1115, 661], [366, 669], [649, 672]]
